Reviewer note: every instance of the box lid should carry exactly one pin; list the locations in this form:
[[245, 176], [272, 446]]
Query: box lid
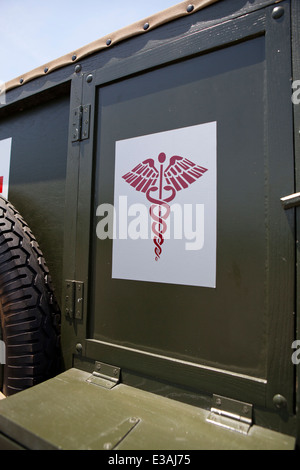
[[69, 412]]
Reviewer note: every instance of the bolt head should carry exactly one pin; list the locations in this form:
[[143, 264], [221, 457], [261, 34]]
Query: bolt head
[[277, 12], [133, 420], [279, 401]]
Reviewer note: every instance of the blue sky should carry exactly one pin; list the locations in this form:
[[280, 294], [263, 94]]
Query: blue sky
[[33, 32]]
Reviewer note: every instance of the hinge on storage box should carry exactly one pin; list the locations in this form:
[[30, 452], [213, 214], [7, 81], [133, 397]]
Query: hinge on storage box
[[231, 414], [74, 299], [81, 123], [105, 375]]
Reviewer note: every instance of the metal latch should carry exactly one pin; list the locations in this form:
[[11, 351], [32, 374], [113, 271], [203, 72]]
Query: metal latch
[[105, 375], [293, 200], [81, 123], [231, 414], [74, 299]]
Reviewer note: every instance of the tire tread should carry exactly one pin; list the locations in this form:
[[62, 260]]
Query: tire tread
[[29, 313]]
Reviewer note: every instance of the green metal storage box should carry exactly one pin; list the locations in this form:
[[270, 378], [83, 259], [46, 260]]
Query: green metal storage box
[[157, 172]]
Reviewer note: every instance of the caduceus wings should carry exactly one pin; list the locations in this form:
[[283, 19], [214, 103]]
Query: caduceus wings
[[181, 172], [143, 176]]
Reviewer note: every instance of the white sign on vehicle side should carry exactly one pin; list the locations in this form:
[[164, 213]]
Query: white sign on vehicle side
[[5, 154], [166, 198]]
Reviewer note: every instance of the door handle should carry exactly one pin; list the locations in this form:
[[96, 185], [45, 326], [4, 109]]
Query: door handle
[[293, 200]]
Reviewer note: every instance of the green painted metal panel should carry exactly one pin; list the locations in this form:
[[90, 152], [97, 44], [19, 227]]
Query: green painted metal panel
[[222, 340], [295, 13], [203, 325], [38, 172], [8, 444], [123, 418]]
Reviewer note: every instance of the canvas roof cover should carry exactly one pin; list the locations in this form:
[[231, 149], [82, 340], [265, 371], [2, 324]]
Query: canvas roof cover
[[158, 19]]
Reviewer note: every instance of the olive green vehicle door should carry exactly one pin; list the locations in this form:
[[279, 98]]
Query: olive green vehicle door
[[214, 311]]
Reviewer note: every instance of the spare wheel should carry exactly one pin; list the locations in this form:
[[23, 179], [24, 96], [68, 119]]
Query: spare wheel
[[29, 313]]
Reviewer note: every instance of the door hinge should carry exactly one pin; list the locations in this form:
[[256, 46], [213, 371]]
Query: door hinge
[[81, 123], [231, 414], [74, 291], [105, 375]]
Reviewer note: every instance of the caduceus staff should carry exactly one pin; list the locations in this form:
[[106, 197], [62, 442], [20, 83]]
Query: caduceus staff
[[179, 175]]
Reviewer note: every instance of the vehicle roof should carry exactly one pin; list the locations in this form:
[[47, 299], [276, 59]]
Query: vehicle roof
[[140, 27]]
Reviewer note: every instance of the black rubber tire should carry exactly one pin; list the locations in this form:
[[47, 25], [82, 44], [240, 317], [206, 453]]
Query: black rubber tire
[[30, 316]]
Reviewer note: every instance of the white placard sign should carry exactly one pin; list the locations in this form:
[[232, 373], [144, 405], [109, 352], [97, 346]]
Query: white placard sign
[[5, 153], [165, 206]]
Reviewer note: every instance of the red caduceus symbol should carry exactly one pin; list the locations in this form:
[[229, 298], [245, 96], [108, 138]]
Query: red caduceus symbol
[[179, 175]]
